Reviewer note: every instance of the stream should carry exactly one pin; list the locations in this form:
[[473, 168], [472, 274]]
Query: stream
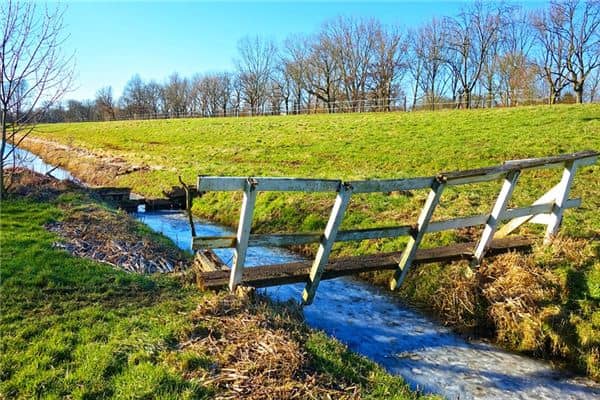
[[374, 323]]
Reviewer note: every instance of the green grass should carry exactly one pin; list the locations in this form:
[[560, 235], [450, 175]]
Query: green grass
[[348, 146], [359, 146], [73, 328]]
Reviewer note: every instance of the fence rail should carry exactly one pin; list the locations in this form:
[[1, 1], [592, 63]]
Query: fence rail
[[547, 210]]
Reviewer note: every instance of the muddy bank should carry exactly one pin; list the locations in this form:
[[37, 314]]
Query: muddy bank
[[94, 168]]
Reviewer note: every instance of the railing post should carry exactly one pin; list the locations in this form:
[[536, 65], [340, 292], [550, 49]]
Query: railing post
[[335, 219], [415, 238], [243, 234], [504, 196], [562, 195]]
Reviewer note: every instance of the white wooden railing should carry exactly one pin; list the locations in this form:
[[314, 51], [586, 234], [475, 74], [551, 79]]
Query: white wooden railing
[[547, 210]]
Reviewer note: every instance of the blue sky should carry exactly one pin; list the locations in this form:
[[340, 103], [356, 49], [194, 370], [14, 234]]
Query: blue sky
[[114, 40]]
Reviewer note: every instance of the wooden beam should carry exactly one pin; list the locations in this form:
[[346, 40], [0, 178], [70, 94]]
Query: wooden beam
[[208, 261], [267, 184], [335, 219], [587, 157], [390, 185], [415, 239], [243, 234], [290, 239], [562, 194], [281, 274], [508, 186], [213, 242]]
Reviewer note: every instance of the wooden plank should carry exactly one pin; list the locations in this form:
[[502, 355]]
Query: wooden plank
[[290, 239], [390, 185], [297, 185], [280, 274], [221, 183], [267, 184], [415, 239], [243, 234], [563, 189], [284, 239], [457, 223], [373, 233], [335, 219], [213, 242], [208, 261], [586, 157], [494, 172], [508, 186]]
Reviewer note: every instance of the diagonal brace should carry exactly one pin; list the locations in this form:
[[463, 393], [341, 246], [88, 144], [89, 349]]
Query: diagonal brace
[[416, 236]]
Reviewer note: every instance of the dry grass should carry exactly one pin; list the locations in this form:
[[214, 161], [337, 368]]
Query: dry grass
[[95, 232], [259, 352], [537, 303], [518, 291]]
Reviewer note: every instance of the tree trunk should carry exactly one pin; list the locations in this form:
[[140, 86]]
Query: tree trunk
[[579, 93], [467, 98]]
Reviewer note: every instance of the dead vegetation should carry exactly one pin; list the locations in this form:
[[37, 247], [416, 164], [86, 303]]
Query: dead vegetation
[[259, 352], [93, 168], [92, 231]]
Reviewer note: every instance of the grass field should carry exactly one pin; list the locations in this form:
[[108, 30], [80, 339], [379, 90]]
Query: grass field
[[355, 146], [74, 328]]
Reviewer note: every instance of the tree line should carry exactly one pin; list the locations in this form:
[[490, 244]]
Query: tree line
[[490, 54]]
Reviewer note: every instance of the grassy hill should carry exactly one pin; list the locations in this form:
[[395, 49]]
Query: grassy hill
[[354, 146]]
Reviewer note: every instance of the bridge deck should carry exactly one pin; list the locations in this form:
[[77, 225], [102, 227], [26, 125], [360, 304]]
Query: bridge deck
[[281, 274]]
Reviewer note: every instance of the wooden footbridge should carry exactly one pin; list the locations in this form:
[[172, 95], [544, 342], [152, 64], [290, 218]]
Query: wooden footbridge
[[547, 210]]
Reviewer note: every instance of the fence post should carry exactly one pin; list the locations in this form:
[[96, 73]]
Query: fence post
[[504, 196], [563, 189], [415, 238], [335, 219], [243, 234]]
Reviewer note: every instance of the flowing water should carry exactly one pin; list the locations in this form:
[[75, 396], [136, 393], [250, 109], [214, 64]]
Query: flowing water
[[374, 323]]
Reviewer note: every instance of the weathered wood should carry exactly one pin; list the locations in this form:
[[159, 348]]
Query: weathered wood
[[508, 186], [207, 261], [415, 239], [335, 219], [290, 239], [494, 172], [563, 189], [280, 274], [390, 185], [284, 239], [267, 184], [213, 242], [243, 234]]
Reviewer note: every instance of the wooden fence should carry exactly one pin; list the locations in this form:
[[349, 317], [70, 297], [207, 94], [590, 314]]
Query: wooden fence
[[547, 210]]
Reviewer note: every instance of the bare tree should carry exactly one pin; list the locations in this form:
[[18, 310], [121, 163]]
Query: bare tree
[[428, 49], [153, 95], [255, 68], [352, 42], [513, 66], [581, 32], [322, 72], [469, 39], [388, 65], [34, 72], [295, 65], [133, 100], [105, 104], [552, 51], [176, 95]]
